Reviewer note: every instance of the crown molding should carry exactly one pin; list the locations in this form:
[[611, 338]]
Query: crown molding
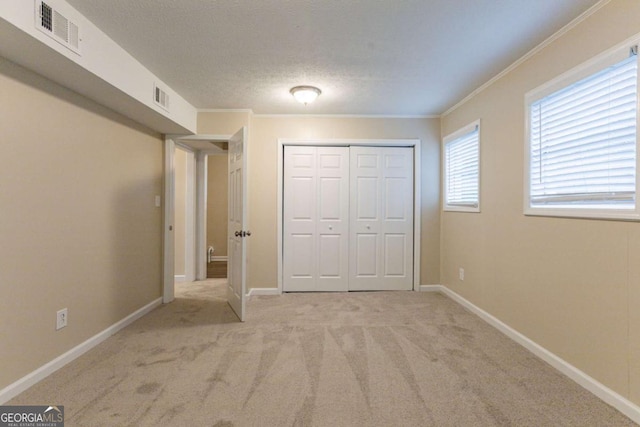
[[225, 110], [574, 23], [349, 116]]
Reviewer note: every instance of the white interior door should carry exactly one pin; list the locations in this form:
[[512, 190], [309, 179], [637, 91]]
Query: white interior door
[[315, 215], [237, 223], [381, 225]]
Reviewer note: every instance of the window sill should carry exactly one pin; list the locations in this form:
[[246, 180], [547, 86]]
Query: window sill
[[468, 209], [578, 213]]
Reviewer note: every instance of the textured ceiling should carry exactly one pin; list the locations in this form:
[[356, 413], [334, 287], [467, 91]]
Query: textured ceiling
[[387, 57]]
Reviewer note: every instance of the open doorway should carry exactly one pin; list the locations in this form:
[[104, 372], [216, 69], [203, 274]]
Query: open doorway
[[235, 148], [184, 215], [217, 215]]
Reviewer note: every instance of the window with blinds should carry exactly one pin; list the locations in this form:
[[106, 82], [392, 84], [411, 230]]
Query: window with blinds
[[583, 142], [462, 169]]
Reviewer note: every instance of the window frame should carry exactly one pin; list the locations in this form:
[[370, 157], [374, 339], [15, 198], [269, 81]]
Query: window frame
[[580, 72], [445, 190]]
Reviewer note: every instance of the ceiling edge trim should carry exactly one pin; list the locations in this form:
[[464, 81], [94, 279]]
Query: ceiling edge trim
[[225, 110], [351, 116], [575, 22]]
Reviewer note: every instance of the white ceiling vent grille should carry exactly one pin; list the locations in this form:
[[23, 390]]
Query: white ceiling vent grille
[[57, 26], [160, 97]]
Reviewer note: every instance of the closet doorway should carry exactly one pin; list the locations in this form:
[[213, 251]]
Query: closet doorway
[[348, 216]]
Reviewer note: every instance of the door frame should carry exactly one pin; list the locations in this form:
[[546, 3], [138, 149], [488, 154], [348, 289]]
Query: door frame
[[202, 175], [190, 212], [193, 143], [417, 206], [168, 248]]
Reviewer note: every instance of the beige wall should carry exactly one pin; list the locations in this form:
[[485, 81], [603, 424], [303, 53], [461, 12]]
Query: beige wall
[[571, 285], [80, 230], [223, 123], [180, 205], [217, 187], [264, 132], [263, 166], [78, 223]]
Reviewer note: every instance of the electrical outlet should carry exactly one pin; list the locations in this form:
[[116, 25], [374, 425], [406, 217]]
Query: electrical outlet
[[461, 274], [61, 319]]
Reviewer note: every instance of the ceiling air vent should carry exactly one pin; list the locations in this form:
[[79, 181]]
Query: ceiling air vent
[[57, 26], [160, 97]]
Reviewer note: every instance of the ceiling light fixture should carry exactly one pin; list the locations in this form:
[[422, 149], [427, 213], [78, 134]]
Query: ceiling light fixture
[[305, 94]]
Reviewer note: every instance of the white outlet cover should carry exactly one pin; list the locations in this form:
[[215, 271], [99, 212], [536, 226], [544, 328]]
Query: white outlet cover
[[158, 201], [461, 273], [61, 319]]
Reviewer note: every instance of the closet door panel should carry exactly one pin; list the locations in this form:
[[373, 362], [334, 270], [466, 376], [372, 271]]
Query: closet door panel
[[367, 198], [333, 219], [348, 218], [299, 215], [366, 255], [394, 205], [394, 255], [302, 256], [315, 215], [329, 253], [382, 226], [303, 202]]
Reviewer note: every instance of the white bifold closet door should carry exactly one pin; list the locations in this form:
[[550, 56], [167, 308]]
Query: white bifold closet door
[[316, 219], [381, 225], [348, 218]]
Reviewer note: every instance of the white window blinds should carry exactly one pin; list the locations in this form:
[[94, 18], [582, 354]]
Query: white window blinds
[[461, 165], [583, 142]]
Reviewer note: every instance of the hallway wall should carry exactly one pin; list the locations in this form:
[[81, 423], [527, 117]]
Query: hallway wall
[[217, 191], [78, 221], [180, 217]]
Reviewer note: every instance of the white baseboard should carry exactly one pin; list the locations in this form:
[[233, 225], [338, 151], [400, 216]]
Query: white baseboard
[[263, 291], [180, 278], [609, 396], [219, 258], [44, 371]]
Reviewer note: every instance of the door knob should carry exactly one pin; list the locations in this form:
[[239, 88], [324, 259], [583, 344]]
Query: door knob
[[246, 233], [238, 234]]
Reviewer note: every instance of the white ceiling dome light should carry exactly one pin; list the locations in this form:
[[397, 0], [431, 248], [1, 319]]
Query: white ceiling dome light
[[305, 94]]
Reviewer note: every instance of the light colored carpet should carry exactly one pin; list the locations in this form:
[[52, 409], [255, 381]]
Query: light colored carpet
[[356, 359]]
